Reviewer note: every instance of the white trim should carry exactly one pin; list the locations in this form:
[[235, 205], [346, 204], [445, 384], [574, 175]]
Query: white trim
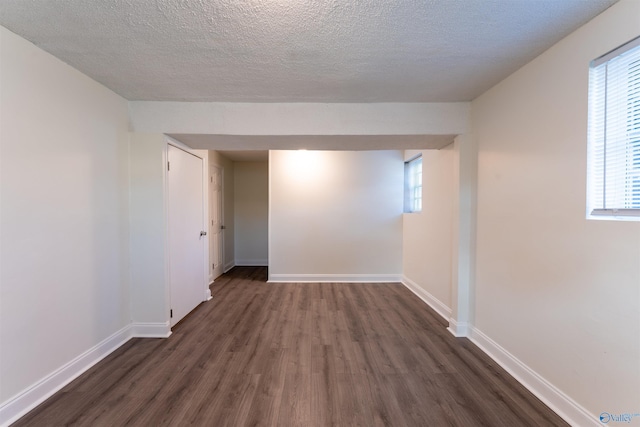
[[555, 399], [269, 214], [465, 164], [167, 255], [458, 329], [204, 157], [207, 293], [151, 330], [335, 278], [616, 52], [184, 147], [262, 262], [615, 214], [17, 406], [220, 167], [433, 302], [228, 266]]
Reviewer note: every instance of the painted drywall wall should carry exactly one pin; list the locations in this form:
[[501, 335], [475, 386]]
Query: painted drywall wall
[[149, 254], [427, 235], [215, 158], [251, 213], [64, 284], [465, 160], [220, 118], [557, 291], [335, 215]]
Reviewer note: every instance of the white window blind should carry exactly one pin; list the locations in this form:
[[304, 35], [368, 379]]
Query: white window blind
[[413, 185], [614, 132]]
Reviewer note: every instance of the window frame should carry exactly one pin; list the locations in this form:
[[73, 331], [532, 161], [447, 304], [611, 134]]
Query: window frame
[[614, 135], [413, 184]]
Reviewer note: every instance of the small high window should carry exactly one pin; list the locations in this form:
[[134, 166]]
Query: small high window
[[413, 185], [614, 133]]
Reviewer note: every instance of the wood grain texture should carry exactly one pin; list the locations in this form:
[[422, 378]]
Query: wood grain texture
[[289, 354]]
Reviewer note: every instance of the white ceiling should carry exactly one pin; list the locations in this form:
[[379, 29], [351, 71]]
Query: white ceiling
[[297, 50]]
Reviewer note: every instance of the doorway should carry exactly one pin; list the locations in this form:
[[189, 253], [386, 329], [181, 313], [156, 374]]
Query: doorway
[[186, 231], [216, 224]]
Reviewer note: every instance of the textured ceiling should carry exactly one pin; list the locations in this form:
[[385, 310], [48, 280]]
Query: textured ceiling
[[297, 50]]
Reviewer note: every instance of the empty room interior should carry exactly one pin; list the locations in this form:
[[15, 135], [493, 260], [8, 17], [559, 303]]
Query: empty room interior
[[320, 213]]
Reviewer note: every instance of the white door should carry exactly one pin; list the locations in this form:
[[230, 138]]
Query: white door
[[216, 229], [186, 239]]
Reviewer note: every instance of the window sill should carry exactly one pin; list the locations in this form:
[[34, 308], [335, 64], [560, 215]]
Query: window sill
[[615, 214]]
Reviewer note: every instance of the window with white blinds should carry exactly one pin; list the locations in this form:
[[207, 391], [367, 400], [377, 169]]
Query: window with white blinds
[[413, 185], [614, 133]]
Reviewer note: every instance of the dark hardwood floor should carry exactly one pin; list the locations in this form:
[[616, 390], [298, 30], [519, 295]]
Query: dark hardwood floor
[[298, 355]]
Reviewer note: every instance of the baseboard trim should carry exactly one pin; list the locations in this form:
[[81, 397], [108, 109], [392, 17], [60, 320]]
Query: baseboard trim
[[25, 401], [251, 263], [555, 399], [433, 302], [151, 330], [229, 266], [334, 278], [458, 329]]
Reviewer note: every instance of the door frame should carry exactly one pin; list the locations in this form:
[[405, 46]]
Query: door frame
[[222, 218], [204, 156]]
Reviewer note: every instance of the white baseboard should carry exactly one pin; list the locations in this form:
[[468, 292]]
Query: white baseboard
[[207, 293], [31, 397], [229, 266], [252, 262], [555, 399], [458, 329], [151, 330], [335, 278], [433, 302]]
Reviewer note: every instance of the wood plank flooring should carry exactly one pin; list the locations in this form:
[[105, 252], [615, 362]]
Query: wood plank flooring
[[298, 355]]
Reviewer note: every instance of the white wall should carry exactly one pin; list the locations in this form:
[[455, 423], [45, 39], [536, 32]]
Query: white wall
[[251, 213], [299, 118], [64, 223], [335, 215], [149, 253], [215, 158], [427, 235], [557, 291]]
